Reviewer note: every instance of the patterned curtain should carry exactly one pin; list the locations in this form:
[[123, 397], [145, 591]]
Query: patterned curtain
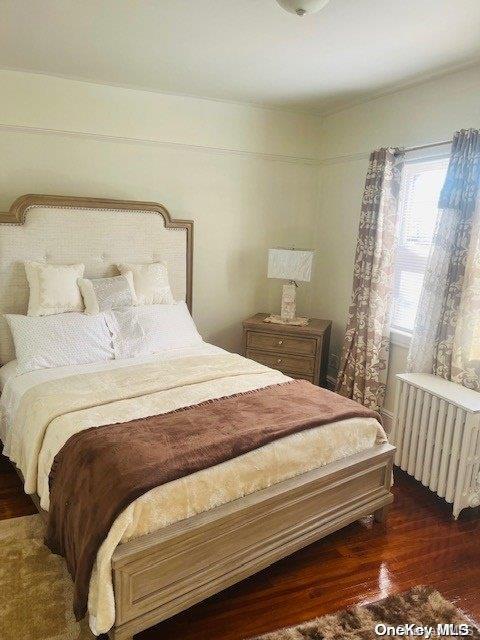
[[363, 371], [447, 327]]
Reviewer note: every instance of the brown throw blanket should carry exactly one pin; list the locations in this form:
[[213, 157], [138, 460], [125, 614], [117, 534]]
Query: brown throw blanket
[[101, 470]]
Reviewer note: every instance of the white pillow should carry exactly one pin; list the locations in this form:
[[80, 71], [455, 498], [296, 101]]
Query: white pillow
[[150, 282], [127, 335], [53, 288], [103, 294], [154, 328], [168, 327], [60, 340]]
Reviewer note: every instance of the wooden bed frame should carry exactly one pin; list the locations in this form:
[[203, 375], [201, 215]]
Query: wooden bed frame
[[165, 572]]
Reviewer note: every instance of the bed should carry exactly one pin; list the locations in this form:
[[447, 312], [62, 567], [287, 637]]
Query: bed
[[196, 535]]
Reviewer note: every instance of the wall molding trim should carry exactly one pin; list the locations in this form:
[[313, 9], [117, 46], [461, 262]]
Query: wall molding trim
[[143, 89], [411, 83], [348, 157], [398, 87], [103, 137], [439, 146]]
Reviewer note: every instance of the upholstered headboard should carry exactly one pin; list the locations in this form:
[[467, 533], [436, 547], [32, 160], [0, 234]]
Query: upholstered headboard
[[97, 232]]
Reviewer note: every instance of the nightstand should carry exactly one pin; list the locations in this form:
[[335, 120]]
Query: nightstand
[[300, 352]]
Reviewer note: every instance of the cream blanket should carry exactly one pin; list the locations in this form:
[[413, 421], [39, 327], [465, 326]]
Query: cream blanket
[[53, 411]]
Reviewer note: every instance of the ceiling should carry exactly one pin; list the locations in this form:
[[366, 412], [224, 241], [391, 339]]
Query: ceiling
[[243, 50]]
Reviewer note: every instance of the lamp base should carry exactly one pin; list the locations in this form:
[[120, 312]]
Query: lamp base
[[289, 304], [289, 308], [298, 322]]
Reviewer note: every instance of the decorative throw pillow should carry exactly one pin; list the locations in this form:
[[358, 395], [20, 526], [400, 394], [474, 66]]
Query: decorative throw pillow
[[150, 282], [53, 288], [60, 340], [103, 294]]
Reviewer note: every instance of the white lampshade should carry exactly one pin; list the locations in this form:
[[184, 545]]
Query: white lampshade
[[290, 264]]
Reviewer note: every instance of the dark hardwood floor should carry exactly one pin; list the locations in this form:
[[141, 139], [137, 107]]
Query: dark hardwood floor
[[420, 544]]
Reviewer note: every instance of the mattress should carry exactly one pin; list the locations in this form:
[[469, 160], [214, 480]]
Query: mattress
[[186, 496]]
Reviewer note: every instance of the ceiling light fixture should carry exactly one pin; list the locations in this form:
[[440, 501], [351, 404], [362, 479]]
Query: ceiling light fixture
[[302, 7]]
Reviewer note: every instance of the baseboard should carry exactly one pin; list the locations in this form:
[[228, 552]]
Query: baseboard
[[331, 382]]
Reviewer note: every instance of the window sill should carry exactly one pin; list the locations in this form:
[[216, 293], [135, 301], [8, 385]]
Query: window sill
[[400, 338]]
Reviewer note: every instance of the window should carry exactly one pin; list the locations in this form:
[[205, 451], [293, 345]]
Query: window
[[422, 181]]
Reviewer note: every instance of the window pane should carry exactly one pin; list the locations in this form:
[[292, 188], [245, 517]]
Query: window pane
[[406, 300], [419, 193], [421, 211]]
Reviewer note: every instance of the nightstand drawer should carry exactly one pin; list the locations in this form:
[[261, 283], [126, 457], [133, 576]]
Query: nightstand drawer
[[285, 363], [297, 351], [281, 344]]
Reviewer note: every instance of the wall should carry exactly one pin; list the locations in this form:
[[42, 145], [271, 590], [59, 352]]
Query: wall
[[245, 175], [426, 113], [248, 177]]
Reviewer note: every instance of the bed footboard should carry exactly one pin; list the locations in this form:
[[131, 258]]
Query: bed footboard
[[165, 572]]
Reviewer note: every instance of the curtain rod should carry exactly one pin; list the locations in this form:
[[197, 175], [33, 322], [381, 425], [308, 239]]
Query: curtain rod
[[425, 146]]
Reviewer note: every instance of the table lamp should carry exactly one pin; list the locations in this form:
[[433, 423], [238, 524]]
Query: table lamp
[[296, 266]]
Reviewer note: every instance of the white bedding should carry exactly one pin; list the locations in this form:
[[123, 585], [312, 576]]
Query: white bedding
[[13, 387], [6, 372], [187, 496]]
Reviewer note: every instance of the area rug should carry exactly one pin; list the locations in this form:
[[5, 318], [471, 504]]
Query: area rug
[[36, 591], [36, 599], [422, 606]]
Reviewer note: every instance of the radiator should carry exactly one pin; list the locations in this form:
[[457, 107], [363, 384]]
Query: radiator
[[437, 435]]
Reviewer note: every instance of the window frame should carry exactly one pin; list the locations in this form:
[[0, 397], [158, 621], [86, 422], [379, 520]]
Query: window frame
[[399, 336]]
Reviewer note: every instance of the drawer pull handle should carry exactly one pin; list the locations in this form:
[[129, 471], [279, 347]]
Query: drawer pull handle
[[279, 360], [280, 342]]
